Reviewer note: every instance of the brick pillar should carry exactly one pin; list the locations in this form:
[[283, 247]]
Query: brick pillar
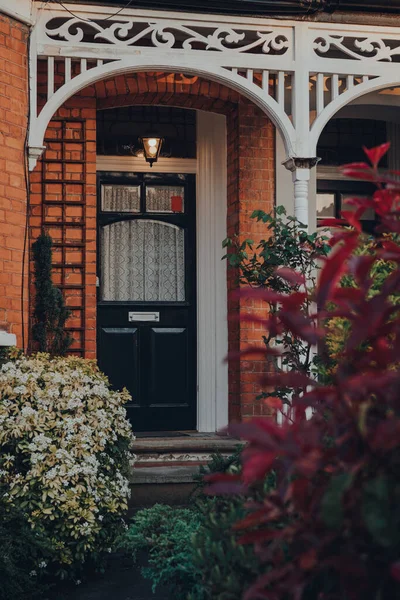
[[13, 193], [251, 186]]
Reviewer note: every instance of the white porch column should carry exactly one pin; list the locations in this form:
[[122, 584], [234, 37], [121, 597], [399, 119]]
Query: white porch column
[[301, 173], [212, 329]]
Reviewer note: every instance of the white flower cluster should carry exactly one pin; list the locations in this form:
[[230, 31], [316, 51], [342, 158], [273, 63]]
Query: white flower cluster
[[64, 447]]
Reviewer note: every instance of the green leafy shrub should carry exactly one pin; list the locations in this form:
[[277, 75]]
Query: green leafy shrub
[[193, 552], [64, 452], [50, 313], [165, 532], [23, 556], [226, 568], [338, 328], [287, 245]]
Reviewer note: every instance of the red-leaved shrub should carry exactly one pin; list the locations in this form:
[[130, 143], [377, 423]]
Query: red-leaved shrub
[[331, 528]]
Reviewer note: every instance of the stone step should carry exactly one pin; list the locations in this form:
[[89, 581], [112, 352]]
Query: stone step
[[165, 468]]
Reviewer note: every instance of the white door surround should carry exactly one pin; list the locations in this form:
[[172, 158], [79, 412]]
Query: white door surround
[[211, 211]]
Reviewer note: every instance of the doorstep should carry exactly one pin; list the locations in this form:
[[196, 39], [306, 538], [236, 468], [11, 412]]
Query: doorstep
[[165, 468], [190, 448]]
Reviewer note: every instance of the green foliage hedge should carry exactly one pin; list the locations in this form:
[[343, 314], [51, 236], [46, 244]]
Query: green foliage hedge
[[193, 552], [23, 556]]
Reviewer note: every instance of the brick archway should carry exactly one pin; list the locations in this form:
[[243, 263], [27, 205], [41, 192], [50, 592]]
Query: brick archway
[[72, 133]]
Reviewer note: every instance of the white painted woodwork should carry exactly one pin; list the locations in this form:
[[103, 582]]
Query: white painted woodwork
[[135, 164], [211, 272], [317, 68], [7, 339], [301, 55], [18, 9]]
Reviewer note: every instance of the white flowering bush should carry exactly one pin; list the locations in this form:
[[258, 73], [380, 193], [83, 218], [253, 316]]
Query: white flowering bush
[[64, 453]]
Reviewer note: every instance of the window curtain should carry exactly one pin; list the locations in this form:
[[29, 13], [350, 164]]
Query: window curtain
[[120, 198], [142, 260]]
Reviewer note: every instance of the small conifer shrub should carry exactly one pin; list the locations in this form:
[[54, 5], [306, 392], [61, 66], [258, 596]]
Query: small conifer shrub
[[50, 313]]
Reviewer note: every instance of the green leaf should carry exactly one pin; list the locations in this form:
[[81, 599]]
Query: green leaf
[[280, 210], [376, 510], [332, 503]]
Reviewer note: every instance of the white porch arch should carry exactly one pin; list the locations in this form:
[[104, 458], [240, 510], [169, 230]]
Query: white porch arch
[[364, 89], [137, 64], [300, 73]]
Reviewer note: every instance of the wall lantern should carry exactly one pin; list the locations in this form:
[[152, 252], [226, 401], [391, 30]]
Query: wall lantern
[[151, 148]]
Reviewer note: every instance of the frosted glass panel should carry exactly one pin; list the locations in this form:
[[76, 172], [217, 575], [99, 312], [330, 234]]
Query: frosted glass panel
[[120, 198], [325, 205], [142, 260], [165, 199]]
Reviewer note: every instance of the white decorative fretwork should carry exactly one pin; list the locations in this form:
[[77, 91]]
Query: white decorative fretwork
[[164, 34], [372, 47], [299, 72]]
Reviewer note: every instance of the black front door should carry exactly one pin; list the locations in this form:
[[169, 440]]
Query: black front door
[[146, 295]]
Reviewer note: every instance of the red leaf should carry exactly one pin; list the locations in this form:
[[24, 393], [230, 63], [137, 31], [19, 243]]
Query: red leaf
[[257, 466], [262, 432], [291, 276], [334, 268], [266, 580], [254, 537], [290, 380], [300, 326], [299, 490], [353, 218], [255, 352], [383, 200], [358, 202], [358, 174], [213, 477], [391, 251], [294, 300], [347, 296], [331, 223], [262, 293], [357, 165], [308, 560], [395, 570], [360, 266], [376, 154], [270, 427], [274, 403]]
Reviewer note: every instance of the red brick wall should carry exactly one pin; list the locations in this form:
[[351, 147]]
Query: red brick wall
[[13, 194], [63, 204], [256, 190], [250, 186]]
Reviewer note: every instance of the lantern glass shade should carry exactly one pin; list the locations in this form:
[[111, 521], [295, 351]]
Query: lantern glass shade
[[151, 148]]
